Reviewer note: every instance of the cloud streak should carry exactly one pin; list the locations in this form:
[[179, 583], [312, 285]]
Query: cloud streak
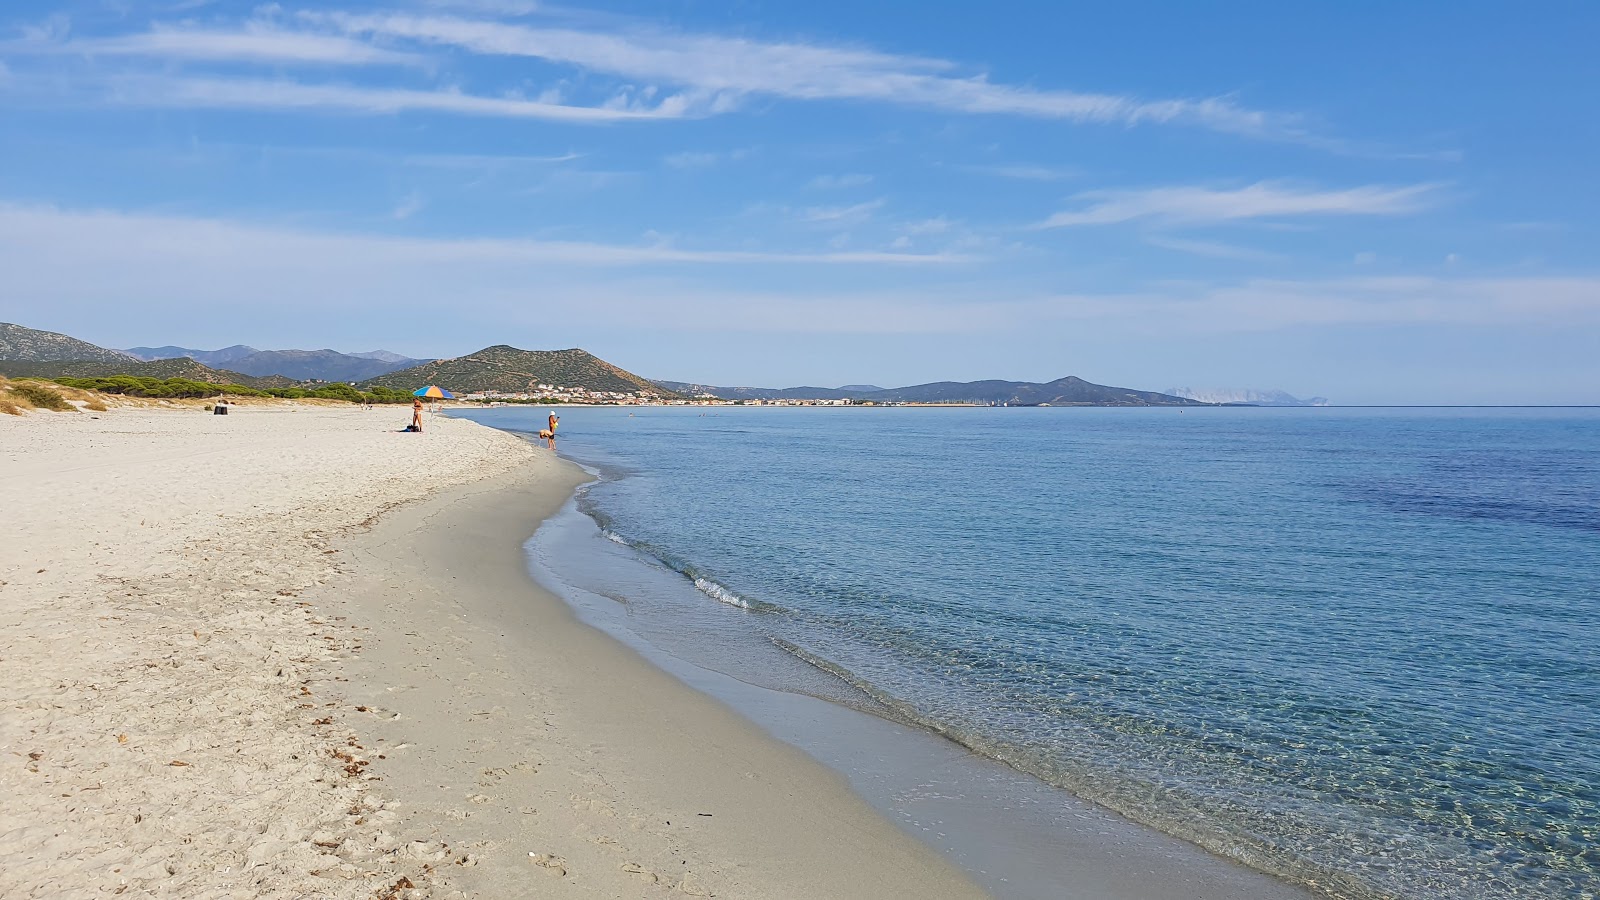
[[105, 238], [254, 43], [853, 214], [1264, 199], [736, 66], [838, 182], [1211, 249], [244, 93]]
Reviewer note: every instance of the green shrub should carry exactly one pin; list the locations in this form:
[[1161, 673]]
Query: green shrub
[[41, 396], [159, 388]]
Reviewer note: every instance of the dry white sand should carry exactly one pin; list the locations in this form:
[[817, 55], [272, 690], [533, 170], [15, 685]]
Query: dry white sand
[[192, 707], [163, 674]]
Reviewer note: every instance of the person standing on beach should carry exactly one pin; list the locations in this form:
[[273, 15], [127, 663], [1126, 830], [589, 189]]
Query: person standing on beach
[[550, 432], [416, 413]]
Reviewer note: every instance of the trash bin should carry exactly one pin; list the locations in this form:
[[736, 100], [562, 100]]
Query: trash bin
[[221, 409]]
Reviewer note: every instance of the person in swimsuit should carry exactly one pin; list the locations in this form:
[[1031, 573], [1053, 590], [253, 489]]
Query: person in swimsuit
[[416, 413]]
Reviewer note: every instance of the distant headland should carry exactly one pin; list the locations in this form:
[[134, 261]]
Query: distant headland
[[506, 373]]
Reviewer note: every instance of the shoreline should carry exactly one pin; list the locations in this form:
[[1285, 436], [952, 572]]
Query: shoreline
[[289, 652], [544, 749], [1015, 834], [207, 627]]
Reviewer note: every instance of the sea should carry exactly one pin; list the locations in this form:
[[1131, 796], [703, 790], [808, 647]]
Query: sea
[[1353, 648]]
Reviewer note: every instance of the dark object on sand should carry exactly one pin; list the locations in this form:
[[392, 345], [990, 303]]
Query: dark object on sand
[[417, 429], [221, 409]]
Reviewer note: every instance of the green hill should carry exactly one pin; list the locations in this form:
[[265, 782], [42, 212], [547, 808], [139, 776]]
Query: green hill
[[160, 368], [1068, 391], [507, 369], [29, 345]]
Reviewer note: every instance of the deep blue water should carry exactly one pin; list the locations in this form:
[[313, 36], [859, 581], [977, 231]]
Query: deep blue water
[[1360, 648]]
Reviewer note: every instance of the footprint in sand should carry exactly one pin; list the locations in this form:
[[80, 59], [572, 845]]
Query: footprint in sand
[[633, 868], [690, 884], [589, 804], [555, 865]]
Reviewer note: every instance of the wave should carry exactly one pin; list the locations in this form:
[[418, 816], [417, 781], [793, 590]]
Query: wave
[[702, 582], [719, 593]]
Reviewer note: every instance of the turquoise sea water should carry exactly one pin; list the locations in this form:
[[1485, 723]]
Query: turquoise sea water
[[1358, 648]]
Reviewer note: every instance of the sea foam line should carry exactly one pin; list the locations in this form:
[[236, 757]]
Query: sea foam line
[[718, 592]]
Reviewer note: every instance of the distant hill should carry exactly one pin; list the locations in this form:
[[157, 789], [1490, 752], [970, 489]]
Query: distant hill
[[388, 357], [688, 389], [1245, 396], [223, 357], [1069, 391], [505, 368], [319, 365], [19, 344], [182, 367], [298, 365]]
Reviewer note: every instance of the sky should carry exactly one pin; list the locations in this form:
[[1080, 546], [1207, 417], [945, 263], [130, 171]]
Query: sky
[[1371, 202]]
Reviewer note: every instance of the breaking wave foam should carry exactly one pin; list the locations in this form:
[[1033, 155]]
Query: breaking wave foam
[[719, 593]]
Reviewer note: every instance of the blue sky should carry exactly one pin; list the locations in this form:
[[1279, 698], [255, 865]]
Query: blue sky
[[1375, 202]]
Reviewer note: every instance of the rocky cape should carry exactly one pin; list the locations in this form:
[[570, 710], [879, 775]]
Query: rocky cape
[[1068, 391]]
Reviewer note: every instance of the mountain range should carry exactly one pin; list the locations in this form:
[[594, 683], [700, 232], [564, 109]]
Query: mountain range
[[299, 365], [1245, 397], [503, 368], [1068, 391]]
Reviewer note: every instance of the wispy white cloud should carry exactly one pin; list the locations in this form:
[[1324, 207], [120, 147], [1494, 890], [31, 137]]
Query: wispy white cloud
[[239, 93], [1265, 304], [475, 161], [935, 225], [113, 238], [254, 42], [89, 263], [701, 159], [51, 30], [482, 160], [171, 265], [1026, 172], [737, 66], [690, 159], [1211, 249], [508, 8], [409, 206], [853, 214], [1264, 199], [836, 182]]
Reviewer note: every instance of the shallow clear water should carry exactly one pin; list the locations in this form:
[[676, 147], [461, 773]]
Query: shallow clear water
[[1360, 648]]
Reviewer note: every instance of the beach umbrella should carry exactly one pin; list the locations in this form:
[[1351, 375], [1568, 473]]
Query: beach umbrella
[[433, 391]]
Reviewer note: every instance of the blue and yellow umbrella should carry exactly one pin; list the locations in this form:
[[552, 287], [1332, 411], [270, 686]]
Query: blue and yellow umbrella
[[433, 391]]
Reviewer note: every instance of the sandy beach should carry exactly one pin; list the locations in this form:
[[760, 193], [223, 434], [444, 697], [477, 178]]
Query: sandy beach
[[290, 652]]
